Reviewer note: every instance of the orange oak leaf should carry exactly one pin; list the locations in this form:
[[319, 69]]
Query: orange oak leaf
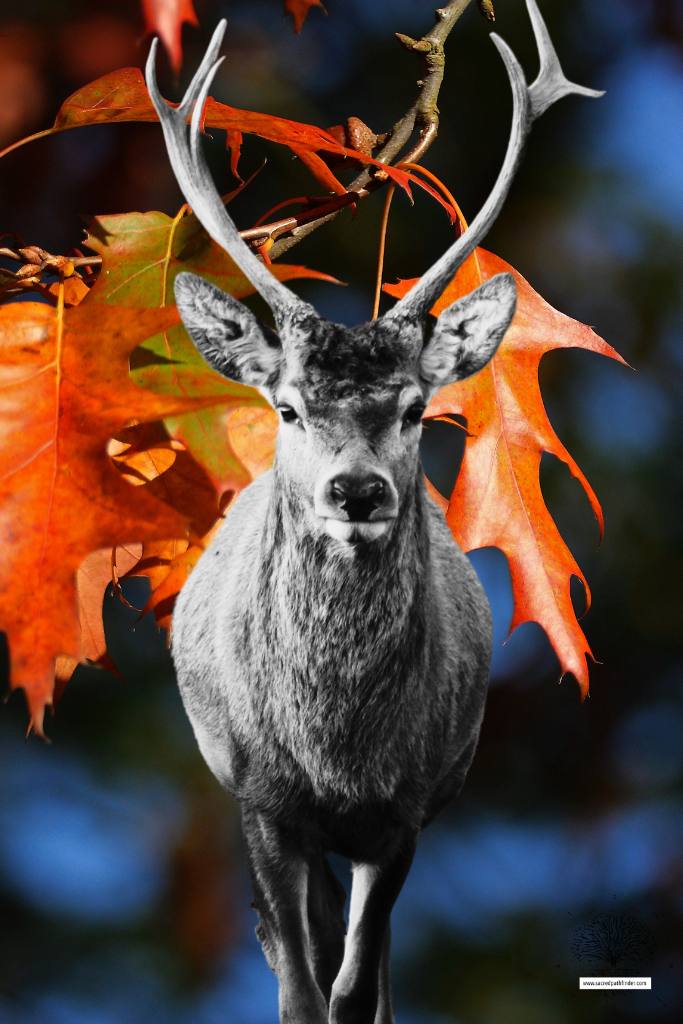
[[155, 560], [186, 486], [319, 169], [92, 579], [497, 500], [165, 18], [155, 563], [75, 290], [167, 567], [122, 96], [299, 9], [163, 466], [64, 391], [233, 142], [141, 465], [163, 596]]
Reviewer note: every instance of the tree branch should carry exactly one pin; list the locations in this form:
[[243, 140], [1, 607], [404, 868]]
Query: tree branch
[[423, 114], [424, 111]]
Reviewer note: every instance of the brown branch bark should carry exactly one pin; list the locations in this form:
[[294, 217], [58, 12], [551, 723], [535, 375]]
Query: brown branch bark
[[423, 114]]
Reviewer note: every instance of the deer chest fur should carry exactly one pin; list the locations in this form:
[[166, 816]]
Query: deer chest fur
[[341, 677]]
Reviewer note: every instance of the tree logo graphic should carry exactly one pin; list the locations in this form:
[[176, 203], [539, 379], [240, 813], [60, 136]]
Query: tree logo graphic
[[614, 939]]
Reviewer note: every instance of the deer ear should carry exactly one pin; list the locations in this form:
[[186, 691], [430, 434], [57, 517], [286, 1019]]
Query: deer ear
[[467, 334], [229, 337]]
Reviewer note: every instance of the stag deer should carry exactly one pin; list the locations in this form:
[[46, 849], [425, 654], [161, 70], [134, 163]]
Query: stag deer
[[333, 644]]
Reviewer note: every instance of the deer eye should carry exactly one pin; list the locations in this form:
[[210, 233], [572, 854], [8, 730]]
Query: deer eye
[[414, 414], [288, 414]]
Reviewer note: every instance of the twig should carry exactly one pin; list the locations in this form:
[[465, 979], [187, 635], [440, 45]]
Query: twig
[[423, 114], [35, 256], [37, 261]]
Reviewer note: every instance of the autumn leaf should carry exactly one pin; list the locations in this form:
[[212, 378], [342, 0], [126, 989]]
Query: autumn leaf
[[497, 500], [155, 564], [299, 9], [147, 457], [155, 560], [122, 96], [165, 563], [92, 579], [164, 595], [319, 169], [65, 390], [167, 566], [144, 252], [142, 255], [75, 290], [166, 18], [143, 454], [141, 461]]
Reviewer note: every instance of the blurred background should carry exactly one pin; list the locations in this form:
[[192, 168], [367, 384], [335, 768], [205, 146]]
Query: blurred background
[[123, 896]]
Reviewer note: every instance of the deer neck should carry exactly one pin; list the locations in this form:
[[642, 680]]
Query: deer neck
[[309, 583], [331, 636]]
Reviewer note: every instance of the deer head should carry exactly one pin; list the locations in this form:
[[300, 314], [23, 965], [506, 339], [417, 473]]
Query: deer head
[[350, 399]]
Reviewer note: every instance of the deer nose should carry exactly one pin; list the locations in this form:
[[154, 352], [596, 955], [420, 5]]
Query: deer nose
[[356, 497]]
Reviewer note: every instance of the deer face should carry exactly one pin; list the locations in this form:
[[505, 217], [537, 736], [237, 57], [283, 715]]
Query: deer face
[[350, 400], [350, 405]]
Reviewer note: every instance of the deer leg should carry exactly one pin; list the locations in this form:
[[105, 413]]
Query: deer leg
[[279, 877], [356, 992], [326, 903], [385, 1002]]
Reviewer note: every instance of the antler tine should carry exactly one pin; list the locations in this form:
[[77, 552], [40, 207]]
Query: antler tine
[[196, 183], [551, 84], [529, 102], [208, 61]]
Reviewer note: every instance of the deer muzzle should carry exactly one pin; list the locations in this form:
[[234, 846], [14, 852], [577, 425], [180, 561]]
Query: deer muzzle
[[356, 506]]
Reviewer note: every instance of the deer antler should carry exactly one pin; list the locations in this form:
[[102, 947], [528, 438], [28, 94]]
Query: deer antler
[[196, 182], [529, 102]]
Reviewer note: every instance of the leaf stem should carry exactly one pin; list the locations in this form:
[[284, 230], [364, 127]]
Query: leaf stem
[[167, 258], [29, 138], [382, 244], [164, 277]]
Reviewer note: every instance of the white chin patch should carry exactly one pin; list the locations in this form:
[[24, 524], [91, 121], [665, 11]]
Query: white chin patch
[[353, 533]]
